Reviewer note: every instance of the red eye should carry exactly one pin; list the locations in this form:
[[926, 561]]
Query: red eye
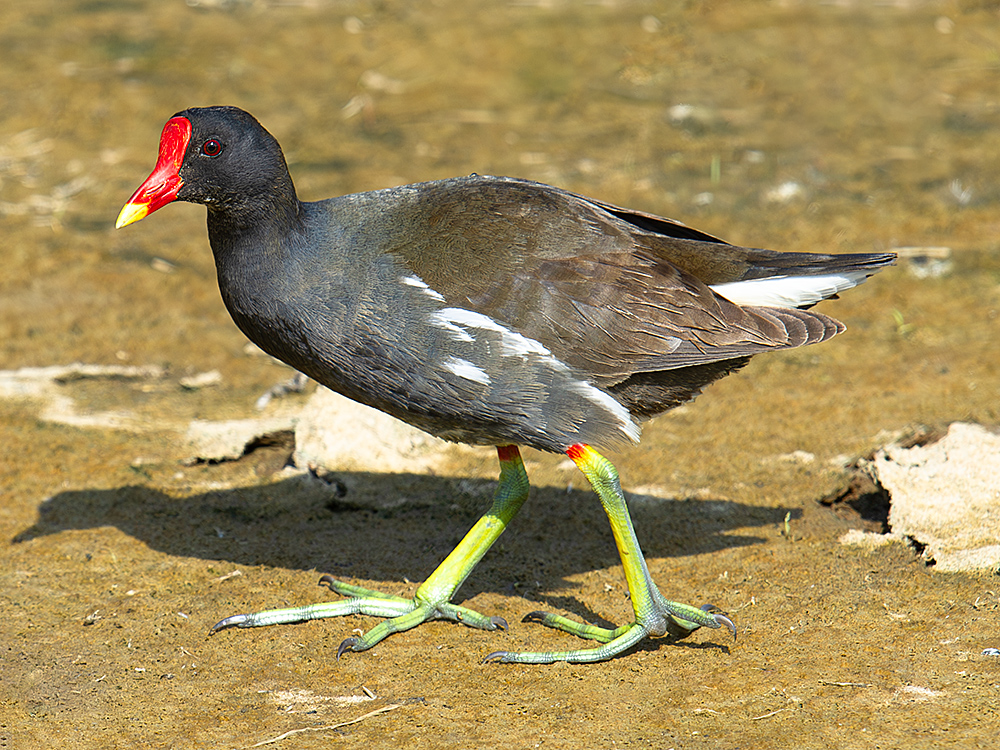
[[211, 147]]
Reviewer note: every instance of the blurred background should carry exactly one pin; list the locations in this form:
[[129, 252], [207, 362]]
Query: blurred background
[[841, 126]]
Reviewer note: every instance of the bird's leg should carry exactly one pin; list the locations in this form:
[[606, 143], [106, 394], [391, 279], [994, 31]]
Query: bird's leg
[[432, 599], [654, 614]]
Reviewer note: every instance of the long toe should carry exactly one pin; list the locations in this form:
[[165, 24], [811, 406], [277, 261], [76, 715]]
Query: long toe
[[579, 629], [626, 639]]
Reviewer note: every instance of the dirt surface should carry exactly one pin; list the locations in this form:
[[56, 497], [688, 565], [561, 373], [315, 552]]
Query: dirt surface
[[792, 125]]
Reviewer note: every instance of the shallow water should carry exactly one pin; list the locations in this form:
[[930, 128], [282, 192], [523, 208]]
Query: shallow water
[[848, 127]]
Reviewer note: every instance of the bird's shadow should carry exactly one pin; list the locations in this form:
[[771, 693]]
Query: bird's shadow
[[392, 527]]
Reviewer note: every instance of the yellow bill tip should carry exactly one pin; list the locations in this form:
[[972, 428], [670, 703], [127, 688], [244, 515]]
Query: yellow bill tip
[[131, 213]]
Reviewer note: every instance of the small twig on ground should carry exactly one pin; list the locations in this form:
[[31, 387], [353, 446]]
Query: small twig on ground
[[845, 684], [771, 713], [286, 735]]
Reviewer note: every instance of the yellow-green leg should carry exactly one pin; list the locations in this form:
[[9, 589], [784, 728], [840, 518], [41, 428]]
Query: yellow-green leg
[[432, 599], [654, 614]]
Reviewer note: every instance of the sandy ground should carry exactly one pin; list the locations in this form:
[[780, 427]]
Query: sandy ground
[[788, 125]]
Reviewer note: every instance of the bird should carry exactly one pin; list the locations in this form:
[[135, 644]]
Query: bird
[[492, 311]]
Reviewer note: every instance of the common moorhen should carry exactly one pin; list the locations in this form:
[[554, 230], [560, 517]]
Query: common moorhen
[[489, 310]]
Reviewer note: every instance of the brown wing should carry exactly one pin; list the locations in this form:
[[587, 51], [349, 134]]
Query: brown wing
[[596, 290]]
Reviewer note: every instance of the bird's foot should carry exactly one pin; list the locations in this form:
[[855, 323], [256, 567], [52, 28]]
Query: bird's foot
[[673, 618], [400, 613], [655, 615], [432, 600]]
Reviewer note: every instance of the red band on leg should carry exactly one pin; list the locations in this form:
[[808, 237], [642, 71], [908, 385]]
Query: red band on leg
[[508, 452]]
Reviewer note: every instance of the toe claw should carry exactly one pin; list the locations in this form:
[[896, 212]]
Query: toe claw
[[233, 621], [347, 644], [500, 623], [720, 617], [723, 620], [536, 616], [495, 658], [328, 579]]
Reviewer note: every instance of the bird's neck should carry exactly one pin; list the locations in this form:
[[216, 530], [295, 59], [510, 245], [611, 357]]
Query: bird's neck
[[266, 215], [252, 244]]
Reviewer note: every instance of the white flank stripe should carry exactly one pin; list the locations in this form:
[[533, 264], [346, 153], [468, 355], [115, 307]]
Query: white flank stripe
[[602, 399], [789, 291], [420, 284], [514, 344], [465, 369], [456, 320]]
